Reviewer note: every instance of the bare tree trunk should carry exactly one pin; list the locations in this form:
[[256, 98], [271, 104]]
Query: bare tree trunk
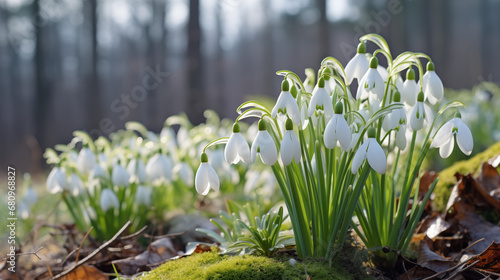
[[43, 92], [93, 95], [195, 100], [324, 38]]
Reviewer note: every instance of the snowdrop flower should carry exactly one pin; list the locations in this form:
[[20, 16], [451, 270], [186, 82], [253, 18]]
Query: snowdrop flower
[[410, 88], [290, 145], [56, 181], [321, 100], [120, 176], [358, 65], [433, 87], [453, 129], [184, 172], [206, 177], [109, 200], [237, 147], [75, 185], [371, 82], [143, 196], [137, 171], [86, 161], [354, 140], [159, 169], [264, 145], [372, 151], [401, 136], [396, 117], [337, 129], [418, 113], [286, 104]]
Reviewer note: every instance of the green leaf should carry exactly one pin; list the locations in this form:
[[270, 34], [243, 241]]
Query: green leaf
[[378, 40]]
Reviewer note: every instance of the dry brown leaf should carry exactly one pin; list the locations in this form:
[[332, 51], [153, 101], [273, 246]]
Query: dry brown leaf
[[157, 252], [489, 259], [84, 272]]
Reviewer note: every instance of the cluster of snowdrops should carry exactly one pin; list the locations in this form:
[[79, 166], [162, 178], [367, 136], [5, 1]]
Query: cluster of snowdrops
[[342, 159]]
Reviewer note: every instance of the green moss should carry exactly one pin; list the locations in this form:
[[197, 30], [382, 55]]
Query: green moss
[[447, 177], [213, 266]]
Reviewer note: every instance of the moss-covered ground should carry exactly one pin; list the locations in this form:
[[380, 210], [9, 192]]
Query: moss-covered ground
[[447, 177], [211, 265]]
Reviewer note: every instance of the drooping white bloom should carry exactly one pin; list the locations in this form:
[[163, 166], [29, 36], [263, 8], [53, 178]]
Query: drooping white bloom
[[321, 100], [75, 185], [56, 181], [286, 104], [137, 170], [237, 147], [372, 151], [264, 145], [433, 87], [410, 88], [206, 177], [120, 176], [159, 169], [109, 200], [397, 116], [401, 136], [358, 65], [103, 161], [337, 129], [143, 195], [453, 129], [419, 113], [86, 161], [371, 82], [290, 145], [184, 172]]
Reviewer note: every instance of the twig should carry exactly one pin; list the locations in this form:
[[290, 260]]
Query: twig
[[95, 252], [81, 244], [463, 251], [27, 253], [130, 236], [434, 276]]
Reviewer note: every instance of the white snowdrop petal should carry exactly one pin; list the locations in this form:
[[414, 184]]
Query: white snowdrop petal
[[213, 179], [356, 67], [409, 92], [464, 138], [286, 148], [292, 109], [330, 136], [243, 149], [401, 137], [359, 157], [343, 133], [201, 179], [446, 149], [231, 150], [108, 200], [435, 87], [268, 151], [376, 156], [443, 135]]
